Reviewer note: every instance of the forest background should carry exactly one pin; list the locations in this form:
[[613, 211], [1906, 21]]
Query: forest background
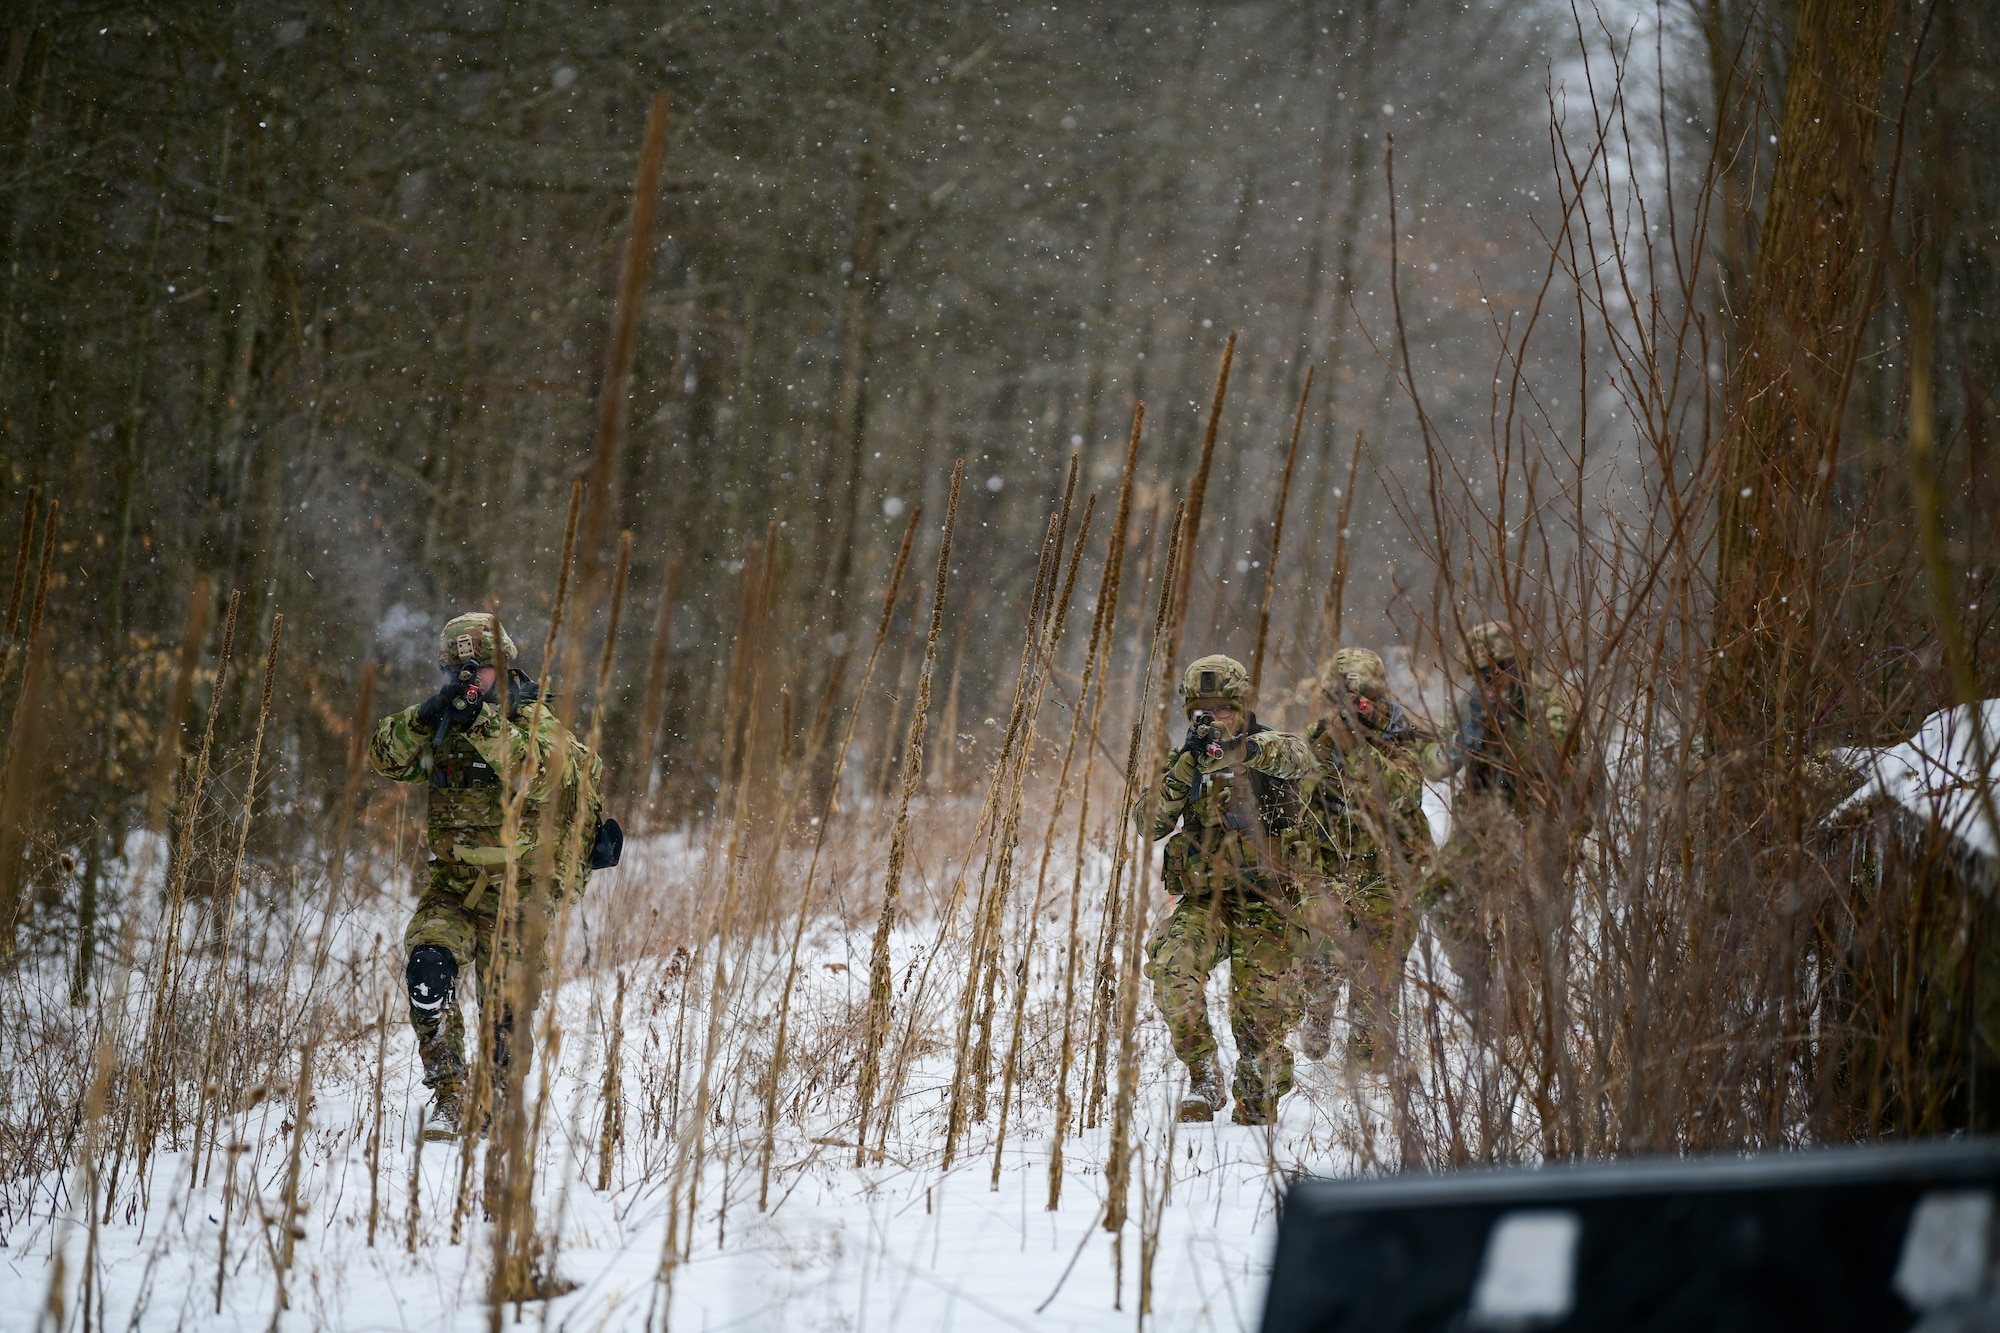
[[312, 301]]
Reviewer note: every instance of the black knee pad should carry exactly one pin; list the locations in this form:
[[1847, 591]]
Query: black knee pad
[[432, 975]]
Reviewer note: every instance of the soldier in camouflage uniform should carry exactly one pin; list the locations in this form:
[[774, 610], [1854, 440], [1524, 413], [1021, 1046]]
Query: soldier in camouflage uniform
[[1507, 747], [459, 743], [1226, 802], [1367, 847]]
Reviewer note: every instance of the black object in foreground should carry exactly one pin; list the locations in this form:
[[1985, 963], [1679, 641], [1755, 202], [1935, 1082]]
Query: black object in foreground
[[1885, 1237]]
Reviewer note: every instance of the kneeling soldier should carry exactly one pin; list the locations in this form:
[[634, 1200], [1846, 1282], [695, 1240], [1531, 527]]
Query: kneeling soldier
[[1227, 800]]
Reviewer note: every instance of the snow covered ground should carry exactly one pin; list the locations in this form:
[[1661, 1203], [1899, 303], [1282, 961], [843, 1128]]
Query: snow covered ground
[[904, 1244]]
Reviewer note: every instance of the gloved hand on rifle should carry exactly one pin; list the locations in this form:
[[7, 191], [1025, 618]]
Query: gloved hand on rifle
[[457, 702], [1207, 740]]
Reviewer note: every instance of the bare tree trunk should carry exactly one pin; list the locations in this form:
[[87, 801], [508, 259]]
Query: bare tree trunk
[[1807, 302]]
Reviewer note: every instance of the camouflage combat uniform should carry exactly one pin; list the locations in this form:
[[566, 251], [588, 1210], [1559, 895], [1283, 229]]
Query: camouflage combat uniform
[[1226, 817], [1367, 848], [1506, 748], [458, 910]]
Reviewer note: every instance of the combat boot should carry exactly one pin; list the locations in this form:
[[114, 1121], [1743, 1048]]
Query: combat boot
[[446, 1117], [1204, 1095], [1316, 1027], [1260, 1082], [445, 1076]]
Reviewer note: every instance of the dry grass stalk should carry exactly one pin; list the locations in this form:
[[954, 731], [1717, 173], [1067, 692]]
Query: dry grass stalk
[[948, 772], [1336, 588], [779, 1049], [1278, 534], [1097, 661], [877, 1024], [1196, 501], [290, 1232], [517, 1246], [1044, 633], [684, 1189], [493, 999], [156, 1066], [383, 1018], [193, 631], [1117, 1165], [653, 703], [614, 400], [612, 1132], [415, 1213], [1011, 1065], [1154, 1195], [1003, 796], [226, 931], [1104, 993]]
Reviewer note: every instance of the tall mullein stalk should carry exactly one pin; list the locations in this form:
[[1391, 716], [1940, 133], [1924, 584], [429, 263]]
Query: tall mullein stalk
[[350, 800], [1334, 607], [1153, 1199], [515, 1242], [1117, 1165], [225, 935], [1045, 638], [290, 1210], [516, 785], [132, 1103], [1278, 535], [877, 1025], [1097, 661], [611, 1132], [1010, 1067], [1196, 501], [517, 1246], [550, 1038], [383, 1017], [158, 1065], [1000, 796], [916, 1009], [948, 773], [780, 1051], [653, 702], [684, 1186], [1104, 988]]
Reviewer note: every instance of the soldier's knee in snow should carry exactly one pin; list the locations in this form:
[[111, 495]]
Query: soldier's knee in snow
[[432, 976]]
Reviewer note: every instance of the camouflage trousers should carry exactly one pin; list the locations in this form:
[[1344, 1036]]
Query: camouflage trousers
[[1501, 874], [1262, 943], [1361, 932], [459, 912]]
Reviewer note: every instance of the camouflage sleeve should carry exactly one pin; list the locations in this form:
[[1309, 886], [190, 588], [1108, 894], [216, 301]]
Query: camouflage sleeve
[[396, 750], [1282, 755], [1176, 782], [1441, 756], [506, 745], [1555, 712], [1404, 784]]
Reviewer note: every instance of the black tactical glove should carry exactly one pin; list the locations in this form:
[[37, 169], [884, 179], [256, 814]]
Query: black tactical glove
[[436, 710], [1204, 739], [456, 704]]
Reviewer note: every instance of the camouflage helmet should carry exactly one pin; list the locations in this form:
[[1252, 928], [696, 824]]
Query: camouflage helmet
[[470, 634], [1357, 670], [1215, 677], [1489, 645]]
